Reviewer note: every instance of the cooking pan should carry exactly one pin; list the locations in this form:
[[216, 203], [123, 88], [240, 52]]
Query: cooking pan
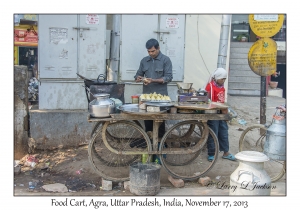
[[99, 81], [100, 85]]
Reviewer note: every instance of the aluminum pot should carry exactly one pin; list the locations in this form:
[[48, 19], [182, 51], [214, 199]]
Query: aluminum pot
[[102, 106], [250, 177], [275, 144]]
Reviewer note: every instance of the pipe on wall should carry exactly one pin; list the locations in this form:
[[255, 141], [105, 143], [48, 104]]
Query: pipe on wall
[[113, 69], [223, 44]]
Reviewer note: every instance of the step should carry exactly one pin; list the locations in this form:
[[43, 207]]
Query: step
[[239, 50], [239, 55], [244, 92], [235, 67], [241, 85], [241, 44], [238, 61], [240, 72], [244, 79]]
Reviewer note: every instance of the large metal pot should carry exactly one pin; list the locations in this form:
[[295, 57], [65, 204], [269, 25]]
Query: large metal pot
[[102, 106], [250, 177], [275, 144]]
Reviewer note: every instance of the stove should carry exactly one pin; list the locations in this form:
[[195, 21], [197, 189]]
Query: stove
[[188, 95], [191, 99]]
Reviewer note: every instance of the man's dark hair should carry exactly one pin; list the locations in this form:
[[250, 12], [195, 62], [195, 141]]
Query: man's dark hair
[[152, 42]]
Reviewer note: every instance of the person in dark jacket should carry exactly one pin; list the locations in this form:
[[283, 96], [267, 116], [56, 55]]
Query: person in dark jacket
[[155, 72]]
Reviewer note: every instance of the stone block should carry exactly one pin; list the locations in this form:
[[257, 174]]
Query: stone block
[[204, 181], [106, 185], [127, 185], [176, 182]]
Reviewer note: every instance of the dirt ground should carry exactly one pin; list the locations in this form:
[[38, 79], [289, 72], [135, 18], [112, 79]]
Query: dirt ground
[[72, 168]]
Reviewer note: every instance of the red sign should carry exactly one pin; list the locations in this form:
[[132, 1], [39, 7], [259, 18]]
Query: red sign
[[23, 37], [92, 19], [172, 22]]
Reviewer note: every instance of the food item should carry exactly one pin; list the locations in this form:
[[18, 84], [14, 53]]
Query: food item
[[154, 97]]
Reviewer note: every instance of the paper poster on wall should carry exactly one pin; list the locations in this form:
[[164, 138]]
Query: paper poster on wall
[[92, 19], [172, 22], [266, 17], [58, 35]]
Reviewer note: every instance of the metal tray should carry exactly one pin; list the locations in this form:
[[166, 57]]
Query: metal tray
[[162, 104], [134, 109], [156, 101]]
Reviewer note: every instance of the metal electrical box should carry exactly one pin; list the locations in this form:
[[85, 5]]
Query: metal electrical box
[[136, 30], [69, 44]]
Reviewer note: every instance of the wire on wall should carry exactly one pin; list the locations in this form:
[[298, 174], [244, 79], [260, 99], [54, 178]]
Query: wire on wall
[[199, 46]]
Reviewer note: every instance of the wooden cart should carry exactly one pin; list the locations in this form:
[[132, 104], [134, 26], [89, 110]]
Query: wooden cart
[[119, 140]]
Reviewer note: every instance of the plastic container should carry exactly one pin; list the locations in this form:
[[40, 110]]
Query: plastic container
[[145, 158], [32, 185], [144, 178], [135, 99]]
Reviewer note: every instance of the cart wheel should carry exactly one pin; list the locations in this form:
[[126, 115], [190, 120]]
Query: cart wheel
[[96, 126], [95, 145], [188, 165], [118, 136], [253, 139]]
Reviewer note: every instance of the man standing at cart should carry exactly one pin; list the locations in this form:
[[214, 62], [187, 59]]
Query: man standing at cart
[[155, 72]]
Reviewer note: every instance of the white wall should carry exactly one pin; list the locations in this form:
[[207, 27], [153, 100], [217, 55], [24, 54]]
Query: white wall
[[201, 48]]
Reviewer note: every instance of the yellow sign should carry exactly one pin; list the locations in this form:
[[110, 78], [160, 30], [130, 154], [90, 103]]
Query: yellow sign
[[262, 57], [16, 55], [266, 25]]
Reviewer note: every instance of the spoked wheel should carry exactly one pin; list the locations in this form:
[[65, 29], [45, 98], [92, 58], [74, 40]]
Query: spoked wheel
[[189, 161], [253, 139], [110, 153]]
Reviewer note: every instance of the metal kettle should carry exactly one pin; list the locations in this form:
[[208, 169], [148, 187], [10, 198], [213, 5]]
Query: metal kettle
[[102, 106]]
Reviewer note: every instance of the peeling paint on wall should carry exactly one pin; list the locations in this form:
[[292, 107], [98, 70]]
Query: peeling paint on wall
[[63, 54], [91, 49]]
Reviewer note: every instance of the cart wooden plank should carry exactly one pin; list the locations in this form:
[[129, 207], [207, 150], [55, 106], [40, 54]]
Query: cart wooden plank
[[209, 106]]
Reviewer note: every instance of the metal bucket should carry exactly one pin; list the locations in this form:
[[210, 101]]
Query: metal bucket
[[144, 178]]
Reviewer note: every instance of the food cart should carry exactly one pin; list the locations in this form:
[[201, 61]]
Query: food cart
[[182, 150]]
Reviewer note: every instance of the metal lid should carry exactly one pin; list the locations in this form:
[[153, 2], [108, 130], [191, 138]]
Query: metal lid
[[252, 156], [101, 95]]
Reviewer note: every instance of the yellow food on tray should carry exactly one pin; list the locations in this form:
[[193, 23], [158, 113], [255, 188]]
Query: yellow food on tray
[[154, 97]]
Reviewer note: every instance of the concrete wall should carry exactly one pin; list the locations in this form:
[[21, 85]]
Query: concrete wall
[[52, 129], [20, 111], [201, 48]]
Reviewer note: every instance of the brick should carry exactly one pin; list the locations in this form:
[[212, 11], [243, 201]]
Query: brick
[[204, 181], [176, 182], [127, 185], [106, 185]]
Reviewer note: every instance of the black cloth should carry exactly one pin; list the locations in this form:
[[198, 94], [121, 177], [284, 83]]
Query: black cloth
[[149, 127]]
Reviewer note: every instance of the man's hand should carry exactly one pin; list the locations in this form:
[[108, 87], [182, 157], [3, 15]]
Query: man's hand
[[139, 79], [147, 81]]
